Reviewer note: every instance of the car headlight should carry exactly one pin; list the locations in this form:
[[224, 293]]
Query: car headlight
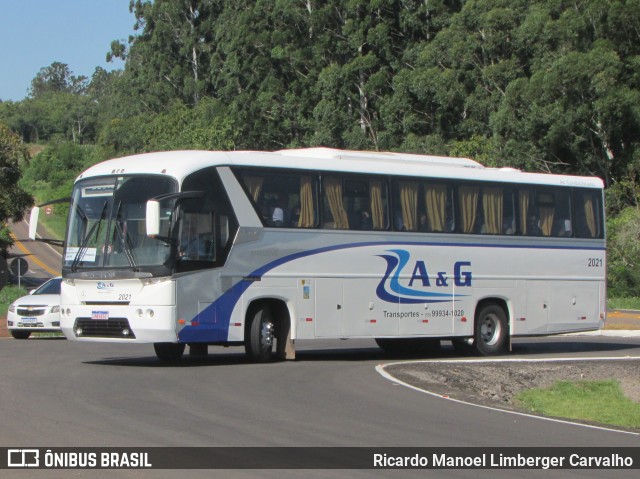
[[55, 309], [12, 308]]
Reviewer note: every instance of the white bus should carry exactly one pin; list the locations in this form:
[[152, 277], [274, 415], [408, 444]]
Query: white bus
[[264, 248]]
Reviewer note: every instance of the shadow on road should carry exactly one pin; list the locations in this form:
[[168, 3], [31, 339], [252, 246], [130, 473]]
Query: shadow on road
[[522, 348]]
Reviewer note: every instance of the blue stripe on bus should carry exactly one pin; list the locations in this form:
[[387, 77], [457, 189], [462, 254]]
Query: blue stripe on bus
[[213, 321]]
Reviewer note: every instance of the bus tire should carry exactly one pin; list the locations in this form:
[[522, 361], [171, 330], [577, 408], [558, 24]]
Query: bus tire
[[491, 330], [169, 352], [260, 335], [20, 334]]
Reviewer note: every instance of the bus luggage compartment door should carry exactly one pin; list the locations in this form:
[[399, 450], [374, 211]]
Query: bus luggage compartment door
[[329, 308]]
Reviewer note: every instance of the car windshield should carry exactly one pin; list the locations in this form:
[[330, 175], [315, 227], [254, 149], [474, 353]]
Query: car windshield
[[50, 287], [107, 227]]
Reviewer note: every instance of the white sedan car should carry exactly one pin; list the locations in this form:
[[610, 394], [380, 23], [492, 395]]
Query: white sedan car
[[39, 311]]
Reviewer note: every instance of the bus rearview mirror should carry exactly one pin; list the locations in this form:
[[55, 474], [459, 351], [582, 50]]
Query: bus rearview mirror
[[153, 218], [33, 222]]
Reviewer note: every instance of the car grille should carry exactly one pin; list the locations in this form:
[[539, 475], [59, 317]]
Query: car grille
[[104, 328], [31, 311], [31, 325]]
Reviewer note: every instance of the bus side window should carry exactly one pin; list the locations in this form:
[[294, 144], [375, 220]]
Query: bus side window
[[562, 224], [224, 230], [305, 212], [437, 214], [588, 208], [468, 201], [497, 215], [335, 213], [197, 237], [282, 200], [406, 213], [528, 221]]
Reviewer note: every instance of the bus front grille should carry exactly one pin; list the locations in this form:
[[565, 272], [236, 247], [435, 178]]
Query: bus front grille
[[103, 328]]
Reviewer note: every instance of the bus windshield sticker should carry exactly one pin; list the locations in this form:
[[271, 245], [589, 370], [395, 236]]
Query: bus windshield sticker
[[88, 256]]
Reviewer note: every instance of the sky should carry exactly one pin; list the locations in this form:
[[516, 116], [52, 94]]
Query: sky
[[36, 33]]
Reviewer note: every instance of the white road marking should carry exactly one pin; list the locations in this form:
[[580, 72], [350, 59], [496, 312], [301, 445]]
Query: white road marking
[[381, 370]]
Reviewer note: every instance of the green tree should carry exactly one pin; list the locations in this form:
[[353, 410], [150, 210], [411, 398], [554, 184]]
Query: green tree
[[58, 107], [623, 256], [57, 78], [179, 127], [578, 108], [170, 57], [14, 201]]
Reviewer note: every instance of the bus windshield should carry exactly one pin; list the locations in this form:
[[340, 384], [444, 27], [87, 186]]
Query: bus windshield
[[107, 224]]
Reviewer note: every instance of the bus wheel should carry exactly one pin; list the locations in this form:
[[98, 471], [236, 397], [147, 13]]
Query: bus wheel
[[169, 351], [492, 330], [20, 334], [260, 336]]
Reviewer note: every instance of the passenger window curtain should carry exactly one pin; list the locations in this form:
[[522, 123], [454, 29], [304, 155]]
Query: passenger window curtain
[[307, 213], [409, 204], [523, 209], [546, 219], [590, 215], [436, 200], [493, 206], [333, 191], [254, 183], [377, 205], [468, 196]]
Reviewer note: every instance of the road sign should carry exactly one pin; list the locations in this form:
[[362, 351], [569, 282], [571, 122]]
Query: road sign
[[19, 266]]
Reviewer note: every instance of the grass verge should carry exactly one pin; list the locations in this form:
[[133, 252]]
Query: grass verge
[[596, 401], [623, 303], [8, 295]]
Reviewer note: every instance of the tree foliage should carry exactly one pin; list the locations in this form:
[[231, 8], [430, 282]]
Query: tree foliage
[[624, 253], [543, 85], [13, 199]]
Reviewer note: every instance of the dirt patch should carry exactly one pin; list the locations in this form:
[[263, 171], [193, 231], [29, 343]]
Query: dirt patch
[[4, 332], [498, 383]]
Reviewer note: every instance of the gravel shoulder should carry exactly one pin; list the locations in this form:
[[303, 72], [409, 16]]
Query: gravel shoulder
[[497, 383]]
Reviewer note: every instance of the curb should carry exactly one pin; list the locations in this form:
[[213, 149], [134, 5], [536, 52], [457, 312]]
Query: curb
[[610, 333]]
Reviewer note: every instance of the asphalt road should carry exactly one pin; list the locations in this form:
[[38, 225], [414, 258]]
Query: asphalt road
[[62, 393], [59, 393], [44, 260]]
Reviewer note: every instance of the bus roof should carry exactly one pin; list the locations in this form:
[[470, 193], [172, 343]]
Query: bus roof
[[179, 164]]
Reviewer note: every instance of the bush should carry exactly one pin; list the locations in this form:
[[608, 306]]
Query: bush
[[624, 253]]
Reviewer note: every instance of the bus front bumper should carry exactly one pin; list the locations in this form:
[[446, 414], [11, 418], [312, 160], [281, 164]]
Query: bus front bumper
[[139, 324]]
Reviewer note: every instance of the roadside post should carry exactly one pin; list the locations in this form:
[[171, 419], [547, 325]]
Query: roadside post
[[19, 268]]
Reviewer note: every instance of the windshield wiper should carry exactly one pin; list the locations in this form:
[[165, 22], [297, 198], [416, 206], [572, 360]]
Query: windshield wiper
[[85, 242], [127, 245]]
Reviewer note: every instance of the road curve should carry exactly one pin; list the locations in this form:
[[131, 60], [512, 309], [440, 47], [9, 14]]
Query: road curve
[[61, 393], [44, 260]]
